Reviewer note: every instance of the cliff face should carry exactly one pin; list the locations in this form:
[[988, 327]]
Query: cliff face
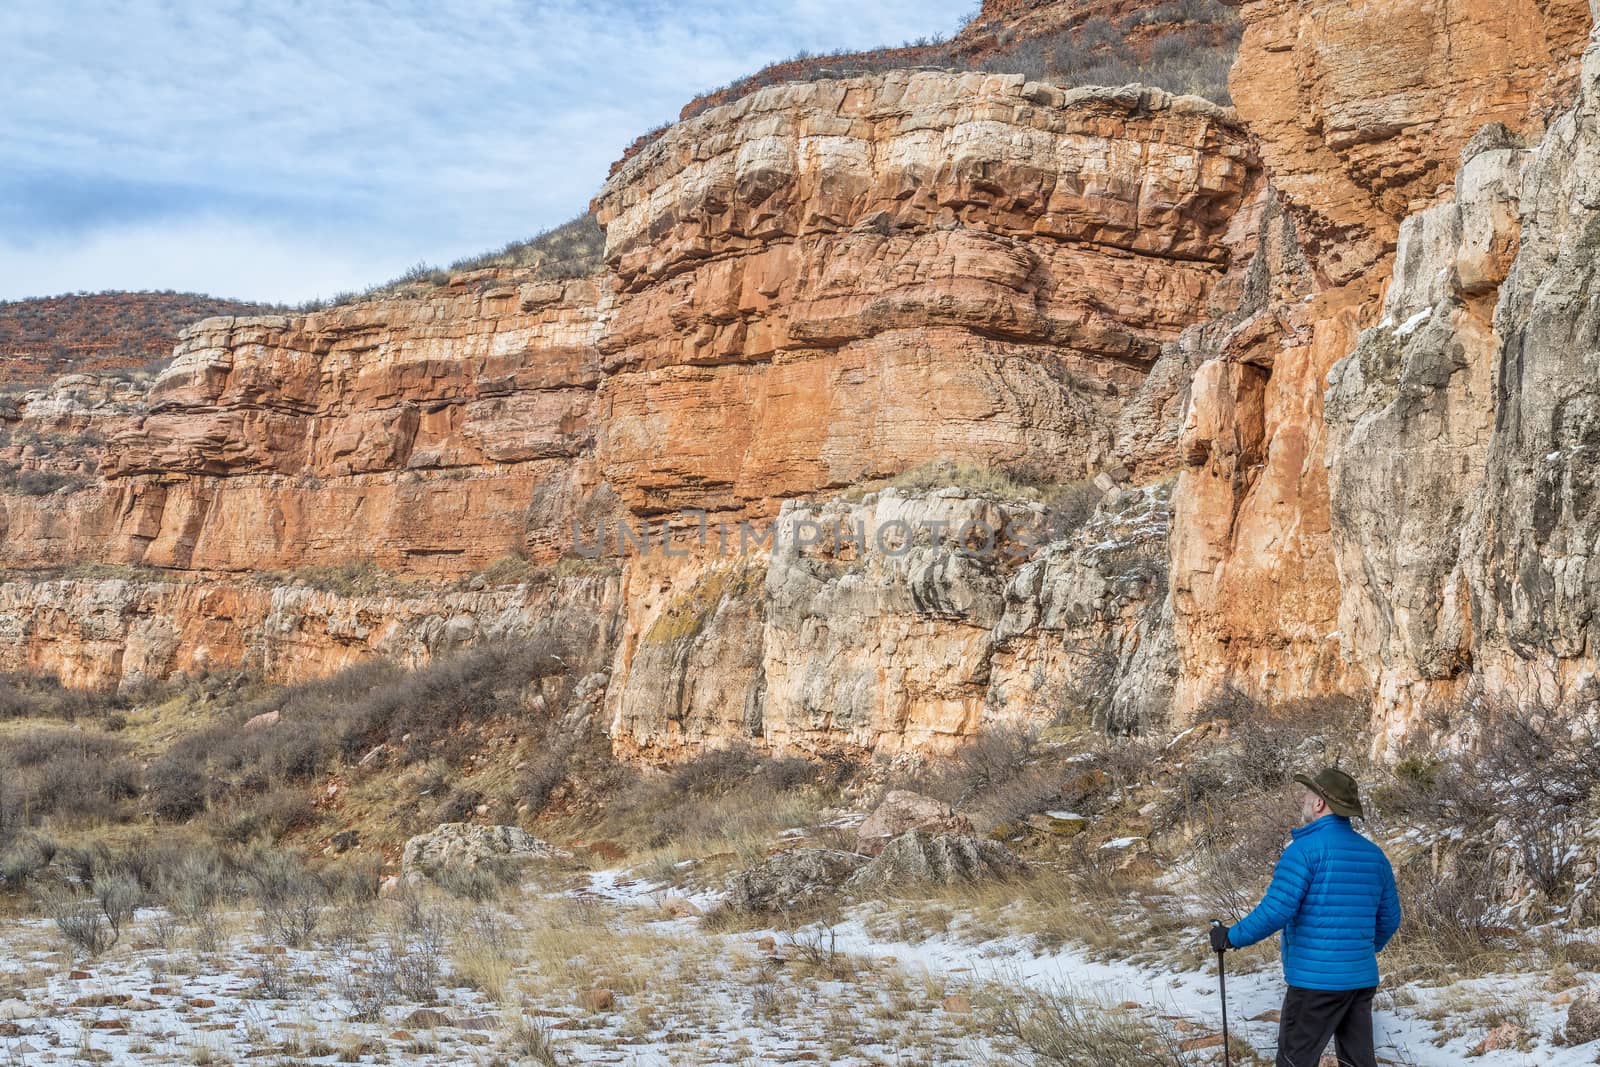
[[1269, 593], [428, 437], [1479, 379], [830, 282], [272, 443], [1327, 360], [818, 286]]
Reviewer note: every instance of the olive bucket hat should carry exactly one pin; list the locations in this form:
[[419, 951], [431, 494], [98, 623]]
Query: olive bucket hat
[[1338, 789]]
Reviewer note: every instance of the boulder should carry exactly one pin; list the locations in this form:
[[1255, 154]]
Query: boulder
[[902, 811], [920, 860], [457, 846], [794, 879], [1583, 1018]]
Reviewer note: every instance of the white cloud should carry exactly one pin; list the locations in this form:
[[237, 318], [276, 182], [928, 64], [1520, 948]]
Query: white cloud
[[343, 142], [220, 256]]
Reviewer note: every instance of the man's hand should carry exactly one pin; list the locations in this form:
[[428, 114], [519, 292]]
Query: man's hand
[[1219, 938]]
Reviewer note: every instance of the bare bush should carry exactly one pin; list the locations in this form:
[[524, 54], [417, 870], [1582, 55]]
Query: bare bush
[[1062, 1029], [276, 978], [530, 1040], [419, 958], [1449, 915], [83, 925], [291, 899], [118, 894], [1237, 849], [75, 775], [371, 987], [26, 856]]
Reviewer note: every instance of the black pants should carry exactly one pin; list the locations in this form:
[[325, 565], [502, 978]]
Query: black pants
[[1312, 1016]]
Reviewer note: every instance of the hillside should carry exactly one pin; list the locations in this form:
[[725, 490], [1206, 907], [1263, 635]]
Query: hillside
[[1183, 46], [46, 337]]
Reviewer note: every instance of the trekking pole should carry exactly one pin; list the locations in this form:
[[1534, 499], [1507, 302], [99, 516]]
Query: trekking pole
[[1222, 986]]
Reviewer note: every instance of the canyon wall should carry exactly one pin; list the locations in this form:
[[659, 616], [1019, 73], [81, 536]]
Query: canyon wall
[[833, 282], [1362, 112], [811, 291], [1155, 399]]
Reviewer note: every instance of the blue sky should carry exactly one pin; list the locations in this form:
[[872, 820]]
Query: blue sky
[[285, 150]]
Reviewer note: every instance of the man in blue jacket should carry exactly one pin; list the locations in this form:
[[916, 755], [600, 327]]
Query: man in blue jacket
[[1334, 898]]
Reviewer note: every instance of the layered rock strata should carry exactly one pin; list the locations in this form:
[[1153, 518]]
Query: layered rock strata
[[817, 286], [1347, 410], [1363, 112]]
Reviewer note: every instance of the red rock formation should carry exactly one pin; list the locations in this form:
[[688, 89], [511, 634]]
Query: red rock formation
[[827, 283], [833, 281], [1362, 111], [823, 284]]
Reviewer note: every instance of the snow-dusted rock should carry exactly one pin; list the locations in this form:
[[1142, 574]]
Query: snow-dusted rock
[[1583, 1018], [902, 811], [455, 846], [794, 879], [920, 859]]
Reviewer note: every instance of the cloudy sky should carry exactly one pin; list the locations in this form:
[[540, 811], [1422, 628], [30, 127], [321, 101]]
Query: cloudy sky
[[281, 150]]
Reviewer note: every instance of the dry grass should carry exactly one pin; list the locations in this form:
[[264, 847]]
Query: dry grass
[[1061, 1028]]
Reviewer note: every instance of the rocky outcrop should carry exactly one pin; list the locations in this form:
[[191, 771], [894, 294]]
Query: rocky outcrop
[[99, 631], [901, 811], [1362, 108], [813, 287], [453, 849], [1462, 454], [1337, 422], [794, 880], [919, 860], [933, 611], [1269, 594], [829, 282]]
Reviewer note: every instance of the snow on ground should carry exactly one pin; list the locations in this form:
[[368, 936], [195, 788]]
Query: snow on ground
[[1412, 1029], [828, 993]]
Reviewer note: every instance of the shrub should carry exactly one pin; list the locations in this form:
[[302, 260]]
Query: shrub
[[1449, 915], [1061, 1028], [74, 775], [175, 791], [726, 797], [118, 894], [26, 856], [83, 925], [994, 776], [571, 250], [43, 696], [371, 987], [418, 714], [483, 882], [459, 805], [530, 1040], [291, 899]]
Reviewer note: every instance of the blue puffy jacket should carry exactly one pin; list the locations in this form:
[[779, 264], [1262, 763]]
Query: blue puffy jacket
[[1334, 898]]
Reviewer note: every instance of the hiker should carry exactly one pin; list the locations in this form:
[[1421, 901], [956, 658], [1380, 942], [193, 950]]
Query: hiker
[[1334, 898]]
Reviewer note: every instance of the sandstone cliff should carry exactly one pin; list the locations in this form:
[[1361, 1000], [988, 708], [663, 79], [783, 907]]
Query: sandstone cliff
[[821, 285], [1326, 359], [1362, 113]]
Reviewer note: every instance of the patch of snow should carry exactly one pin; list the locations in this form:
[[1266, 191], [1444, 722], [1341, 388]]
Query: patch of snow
[[1408, 327]]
